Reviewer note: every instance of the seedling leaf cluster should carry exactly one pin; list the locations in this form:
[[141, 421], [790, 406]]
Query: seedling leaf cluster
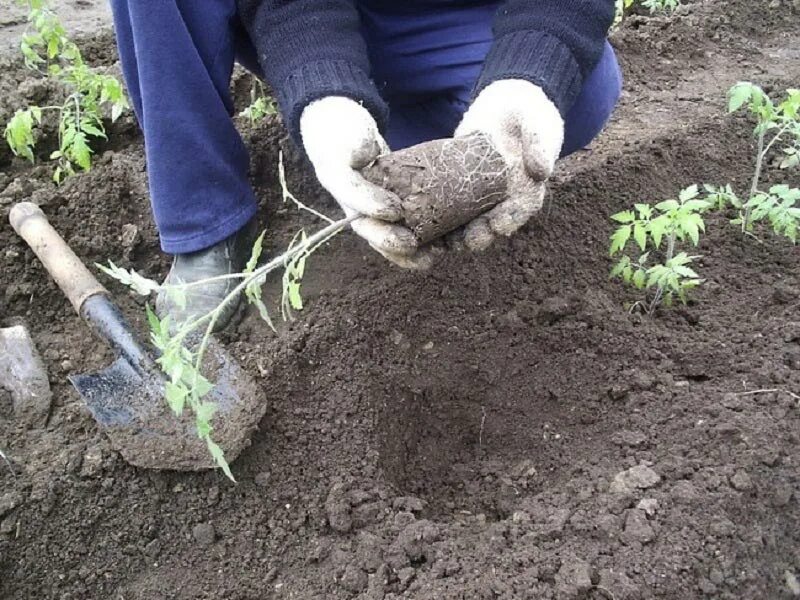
[[91, 96], [182, 346], [659, 230], [680, 222]]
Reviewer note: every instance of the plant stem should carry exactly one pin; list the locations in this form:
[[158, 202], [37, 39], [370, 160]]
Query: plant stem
[[756, 177], [319, 237], [660, 291]]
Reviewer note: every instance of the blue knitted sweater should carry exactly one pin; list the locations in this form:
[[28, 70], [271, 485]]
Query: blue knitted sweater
[[309, 49]]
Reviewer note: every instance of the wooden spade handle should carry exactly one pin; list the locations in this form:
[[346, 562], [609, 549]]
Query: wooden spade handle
[[71, 275]]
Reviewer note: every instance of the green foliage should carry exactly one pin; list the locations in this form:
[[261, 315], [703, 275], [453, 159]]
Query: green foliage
[[643, 231], [665, 6], [776, 125], [780, 208], [654, 6], [261, 104], [181, 362], [47, 49]]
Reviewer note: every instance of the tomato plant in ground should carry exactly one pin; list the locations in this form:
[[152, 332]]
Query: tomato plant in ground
[[91, 96], [777, 127], [651, 239]]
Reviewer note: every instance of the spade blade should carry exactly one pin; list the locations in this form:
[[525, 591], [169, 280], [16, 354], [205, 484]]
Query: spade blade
[[129, 405]]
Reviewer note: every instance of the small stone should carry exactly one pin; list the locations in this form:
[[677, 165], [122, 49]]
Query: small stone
[[367, 514], [8, 525], [716, 576], [406, 576], [553, 525], [23, 373], [337, 508], [685, 491], [624, 588], [634, 439], [262, 479], [153, 548], [213, 495], [396, 557], [639, 477], [9, 501], [637, 528], [782, 494], [722, 527], [417, 537], [741, 481], [92, 463], [648, 505], [520, 516], [403, 519], [204, 534], [369, 552], [408, 503], [792, 584], [354, 579], [554, 309], [427, 347], [574, 578]]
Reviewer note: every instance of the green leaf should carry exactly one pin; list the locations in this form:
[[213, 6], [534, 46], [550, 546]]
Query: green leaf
[[219, 458], [255, 254], [685, 271], [619, 238], [640, 235], [176, 394], [626, 216], [253, 294], [688, 193], [739, 94], [668, 205], [93, 130], [658, 228], [294, 295], [640, 278], [621, 264], [205, 411]]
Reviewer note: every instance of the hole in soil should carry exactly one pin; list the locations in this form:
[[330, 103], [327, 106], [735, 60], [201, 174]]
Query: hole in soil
[[482, 452]]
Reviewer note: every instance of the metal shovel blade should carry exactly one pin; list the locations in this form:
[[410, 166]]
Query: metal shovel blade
[[128, 403]]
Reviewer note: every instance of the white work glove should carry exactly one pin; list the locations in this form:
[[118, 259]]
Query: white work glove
[[340, 137], [528, 131]]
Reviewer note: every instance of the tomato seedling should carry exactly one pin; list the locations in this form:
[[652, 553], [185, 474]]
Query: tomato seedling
[[776, 125], [640, 236], [47, 49]]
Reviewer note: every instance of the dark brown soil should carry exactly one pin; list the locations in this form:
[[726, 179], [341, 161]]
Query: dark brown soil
[[498, 427]]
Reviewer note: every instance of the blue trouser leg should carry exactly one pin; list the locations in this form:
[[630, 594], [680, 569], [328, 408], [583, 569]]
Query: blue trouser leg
[[427, 63], [177, 57]]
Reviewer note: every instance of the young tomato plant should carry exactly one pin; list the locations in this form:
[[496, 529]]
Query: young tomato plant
[[640, 236], [777, 125], [47, 49], [665, 6], [182, 346], [261, 104]]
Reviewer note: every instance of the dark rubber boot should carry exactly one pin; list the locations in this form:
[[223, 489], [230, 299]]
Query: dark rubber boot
[[228, 256]]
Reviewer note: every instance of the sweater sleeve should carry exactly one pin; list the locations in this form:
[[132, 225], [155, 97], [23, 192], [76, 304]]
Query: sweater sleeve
[[309, 49], [552, 43]]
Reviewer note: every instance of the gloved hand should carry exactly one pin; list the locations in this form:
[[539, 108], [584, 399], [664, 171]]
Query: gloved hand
[[527, 130], [340, 137]]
